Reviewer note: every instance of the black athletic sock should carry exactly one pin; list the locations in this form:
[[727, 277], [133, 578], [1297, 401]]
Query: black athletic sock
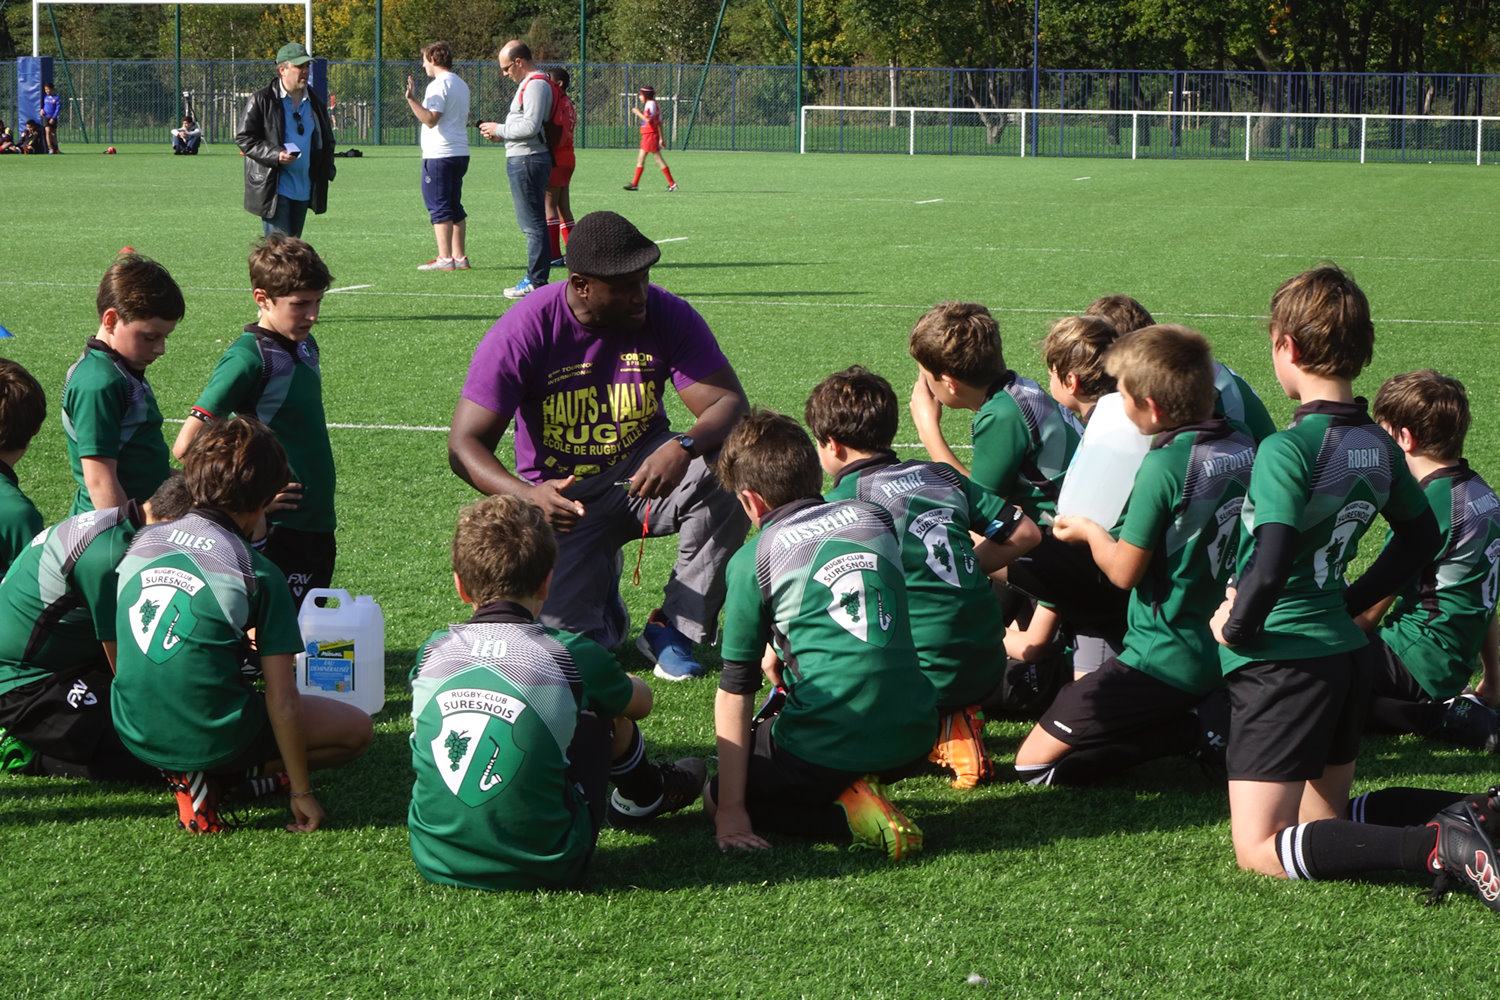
[[1339, 848], [635, 777], [1400, 806], [1394, 715]]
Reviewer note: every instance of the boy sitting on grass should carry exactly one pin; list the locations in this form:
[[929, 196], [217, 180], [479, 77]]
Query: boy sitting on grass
[[1236, 399], [272, 372], [1292, 653], [23, 408], [823, 582], [190, 591], [955, 619], [517, 728], [110, 415], [57, 643], [1175, 549], [1074, 351], [1445, 618]]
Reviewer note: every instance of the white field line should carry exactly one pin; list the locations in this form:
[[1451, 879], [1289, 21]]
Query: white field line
[[348, 288], [671, 239], [929, 201], [510, 432]]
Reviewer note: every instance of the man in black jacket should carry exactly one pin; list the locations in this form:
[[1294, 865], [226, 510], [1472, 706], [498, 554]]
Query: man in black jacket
[[287, 138]]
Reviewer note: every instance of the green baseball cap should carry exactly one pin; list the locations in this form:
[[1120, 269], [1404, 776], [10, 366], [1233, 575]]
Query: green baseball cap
[[294, 53]]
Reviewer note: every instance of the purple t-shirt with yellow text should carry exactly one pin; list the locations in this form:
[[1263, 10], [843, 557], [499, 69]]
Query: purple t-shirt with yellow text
[[583, 396]]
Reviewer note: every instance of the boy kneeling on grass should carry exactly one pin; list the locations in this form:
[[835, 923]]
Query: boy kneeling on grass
[[191, 590], [823, 582], [1175, 550], [1294, 659], [1445, 617], [956, 623], [518, 728]]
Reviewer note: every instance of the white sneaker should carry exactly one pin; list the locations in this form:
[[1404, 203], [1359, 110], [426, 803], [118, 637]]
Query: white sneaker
[[523, 288], [460, 263], [438, 264]]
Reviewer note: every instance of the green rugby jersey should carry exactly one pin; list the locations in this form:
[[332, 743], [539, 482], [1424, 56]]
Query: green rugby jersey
[[58, 602], [495, 701], [1326, 476], [1023, 443], [1438, 624], [109, 411], [1237, 401], [20, 521], [956, 622], [823, 582], [278, 380], [1185, 508], [189, 590]]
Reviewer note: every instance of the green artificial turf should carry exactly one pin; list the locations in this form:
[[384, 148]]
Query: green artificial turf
[[801, 265]]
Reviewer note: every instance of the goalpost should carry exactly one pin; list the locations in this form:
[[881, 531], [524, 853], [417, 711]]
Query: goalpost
[[36, 21]]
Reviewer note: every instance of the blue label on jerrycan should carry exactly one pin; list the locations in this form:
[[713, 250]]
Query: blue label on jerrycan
[[330, 665]]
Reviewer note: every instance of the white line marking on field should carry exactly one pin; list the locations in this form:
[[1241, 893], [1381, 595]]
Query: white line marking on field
[[917, 246], [1064, 311], [672, 239], [929, 201], [348, 288], [510, 432], [1404, 260], [1083, 178]]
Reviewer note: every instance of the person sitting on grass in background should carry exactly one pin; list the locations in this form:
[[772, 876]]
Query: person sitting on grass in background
[[822, 583], [113, 424], [31, 140], [650, 115], [517, 728], [1175, 550], [7, 139], [187, 139], [1236, 399], [23, 409], [58, 646], [190, 592], [1295, 661], [955, 618], [564, 159], [273, 372], [1445, 618]]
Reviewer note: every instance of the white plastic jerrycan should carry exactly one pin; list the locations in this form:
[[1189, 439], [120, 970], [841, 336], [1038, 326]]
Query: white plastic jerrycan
[[1103, 471], [343, 653]]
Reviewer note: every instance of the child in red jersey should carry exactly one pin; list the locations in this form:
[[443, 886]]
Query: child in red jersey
[[650, 115]]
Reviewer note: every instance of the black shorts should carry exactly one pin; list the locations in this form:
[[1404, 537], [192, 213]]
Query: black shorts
[[786, 794], [1103, 706], [1291, 719], [64, 715], [1066, 577], [1389, 677], [306, 557], [262, 748]]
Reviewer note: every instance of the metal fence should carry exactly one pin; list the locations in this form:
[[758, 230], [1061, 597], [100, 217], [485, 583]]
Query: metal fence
[[756, 107], [1150, 134]]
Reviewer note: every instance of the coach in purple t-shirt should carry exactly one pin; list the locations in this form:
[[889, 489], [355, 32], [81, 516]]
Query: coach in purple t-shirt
[[582, 366]]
